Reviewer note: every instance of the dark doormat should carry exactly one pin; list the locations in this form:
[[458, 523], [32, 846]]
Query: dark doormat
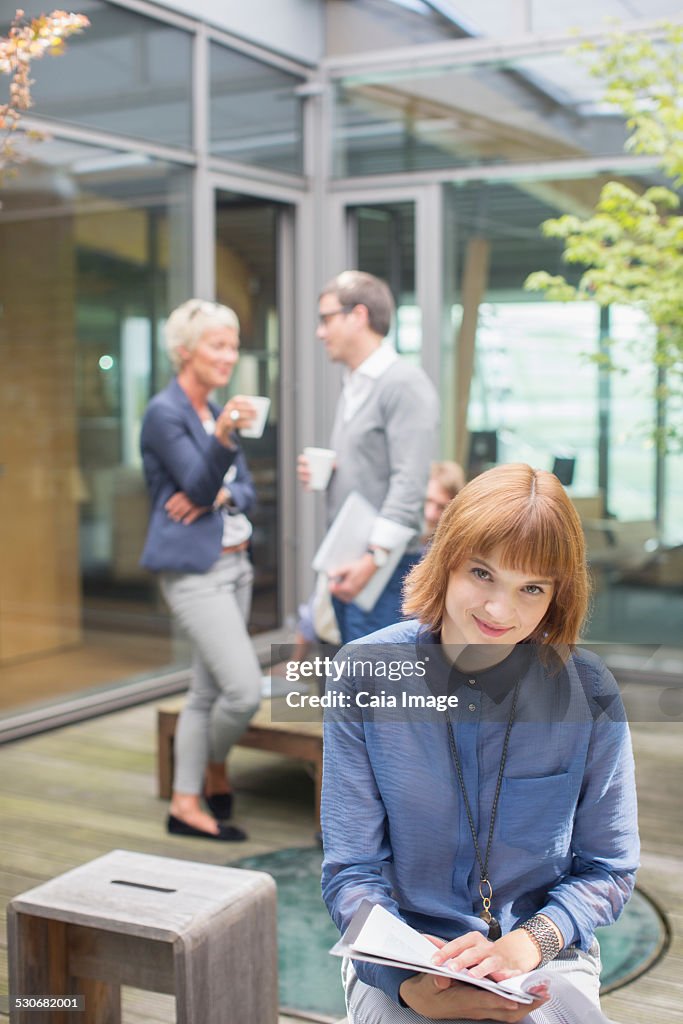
[[633, 944], [310, 978]]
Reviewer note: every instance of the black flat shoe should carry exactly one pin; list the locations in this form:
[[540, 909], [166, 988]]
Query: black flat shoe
[[220, 805], [226, 833]]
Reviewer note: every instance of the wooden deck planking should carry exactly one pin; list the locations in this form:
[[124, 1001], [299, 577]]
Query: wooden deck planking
[[71, 795], [658, 749], [74, 794]]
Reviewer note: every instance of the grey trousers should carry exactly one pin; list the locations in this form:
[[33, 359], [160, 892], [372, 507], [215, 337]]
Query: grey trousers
[[225, 690], [367, 1005]]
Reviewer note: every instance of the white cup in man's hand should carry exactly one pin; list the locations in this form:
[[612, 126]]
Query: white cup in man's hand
[[320, 466]]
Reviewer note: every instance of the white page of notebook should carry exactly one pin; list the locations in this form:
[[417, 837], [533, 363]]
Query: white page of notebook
[[384, 935]]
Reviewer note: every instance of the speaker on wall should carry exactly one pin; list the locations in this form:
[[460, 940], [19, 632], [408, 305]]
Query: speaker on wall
[[483, 451], [563, 468]]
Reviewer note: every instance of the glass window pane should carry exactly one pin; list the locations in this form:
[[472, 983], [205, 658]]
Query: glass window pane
[[126, 74], [246, 280], [632, 412], [93, 253], [386, 248], [526, 353], [255, 114], [537, 109], [538, 395], [520, 339], [673, 504]]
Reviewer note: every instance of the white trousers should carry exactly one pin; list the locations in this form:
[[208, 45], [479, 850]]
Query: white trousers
[[225, 691]]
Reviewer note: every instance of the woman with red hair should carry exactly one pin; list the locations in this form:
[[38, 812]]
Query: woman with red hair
[[503, 824]]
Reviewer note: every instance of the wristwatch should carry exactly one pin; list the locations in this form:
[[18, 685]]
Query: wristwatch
[[380, 556]]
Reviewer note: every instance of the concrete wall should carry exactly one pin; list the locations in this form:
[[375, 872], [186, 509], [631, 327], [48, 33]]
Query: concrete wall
[[295, 28], [366, 25]]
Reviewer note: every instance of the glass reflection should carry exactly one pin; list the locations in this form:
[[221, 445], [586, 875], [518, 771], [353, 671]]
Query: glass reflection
[[126, 74], [246, 280], [93, 246], [255, 113], [537, 109], [385, 234], [537, 393]]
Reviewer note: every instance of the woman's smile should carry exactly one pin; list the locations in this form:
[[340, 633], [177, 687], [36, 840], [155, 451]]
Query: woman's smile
[[489, 629]]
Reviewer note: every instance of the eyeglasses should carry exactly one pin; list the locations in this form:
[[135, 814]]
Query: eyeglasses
[[324, 318]]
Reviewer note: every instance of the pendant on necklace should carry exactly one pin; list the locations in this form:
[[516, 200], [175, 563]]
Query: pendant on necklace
[[494, 928]]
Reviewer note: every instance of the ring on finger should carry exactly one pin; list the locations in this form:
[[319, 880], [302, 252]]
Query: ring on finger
[[234, 415]]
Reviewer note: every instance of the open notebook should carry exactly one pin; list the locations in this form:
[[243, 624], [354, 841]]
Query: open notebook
[[376, 936]]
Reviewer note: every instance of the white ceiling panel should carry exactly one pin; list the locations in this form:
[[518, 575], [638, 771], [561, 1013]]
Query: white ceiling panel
[[501, 18]]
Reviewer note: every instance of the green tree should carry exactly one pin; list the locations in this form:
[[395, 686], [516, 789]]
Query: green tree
[[26, 41], [632, 244]]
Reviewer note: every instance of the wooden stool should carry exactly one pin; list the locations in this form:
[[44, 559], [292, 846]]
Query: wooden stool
[[206, 934], [300, 740]]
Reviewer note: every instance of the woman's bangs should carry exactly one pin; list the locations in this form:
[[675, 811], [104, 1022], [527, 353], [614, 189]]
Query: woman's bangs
[[527, 543]]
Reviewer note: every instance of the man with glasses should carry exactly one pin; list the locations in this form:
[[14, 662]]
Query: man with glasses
[[384, 436]]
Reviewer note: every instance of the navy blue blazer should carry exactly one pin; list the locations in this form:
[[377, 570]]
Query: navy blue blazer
[[179, 455]]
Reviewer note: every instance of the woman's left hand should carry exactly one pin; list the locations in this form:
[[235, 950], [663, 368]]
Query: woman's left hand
[[512, 954], [182, 509]]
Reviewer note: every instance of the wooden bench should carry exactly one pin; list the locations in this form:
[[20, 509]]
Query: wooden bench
[[300, 740]]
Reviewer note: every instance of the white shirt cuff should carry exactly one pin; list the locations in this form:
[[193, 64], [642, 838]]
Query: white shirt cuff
[[389, 535]]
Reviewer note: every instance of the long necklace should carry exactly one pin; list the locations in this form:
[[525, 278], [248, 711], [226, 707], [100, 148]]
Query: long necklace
[[485, 887]]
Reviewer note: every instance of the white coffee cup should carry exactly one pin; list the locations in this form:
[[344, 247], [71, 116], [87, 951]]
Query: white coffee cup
[[262, 406], [320, 464]]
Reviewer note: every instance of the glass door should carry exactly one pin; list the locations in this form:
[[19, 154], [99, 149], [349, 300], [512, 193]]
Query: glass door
[[383, 235], [397, 234], [248, 231], [82, 354]]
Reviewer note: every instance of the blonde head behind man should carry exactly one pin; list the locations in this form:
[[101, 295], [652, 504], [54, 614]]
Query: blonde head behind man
[[446, 479]]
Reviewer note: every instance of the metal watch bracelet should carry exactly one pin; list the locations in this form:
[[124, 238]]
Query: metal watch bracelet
[[544, 936]]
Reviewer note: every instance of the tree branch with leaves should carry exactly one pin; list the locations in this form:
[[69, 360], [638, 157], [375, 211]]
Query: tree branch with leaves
[[28, 40], [632, 244]]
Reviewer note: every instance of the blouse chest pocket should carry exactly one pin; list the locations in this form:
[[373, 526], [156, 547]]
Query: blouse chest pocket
[[536, 814]]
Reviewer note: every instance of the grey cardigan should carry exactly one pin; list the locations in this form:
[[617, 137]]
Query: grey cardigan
[[384, 451]]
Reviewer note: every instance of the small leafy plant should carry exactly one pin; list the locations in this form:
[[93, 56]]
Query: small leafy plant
[[26, 41]]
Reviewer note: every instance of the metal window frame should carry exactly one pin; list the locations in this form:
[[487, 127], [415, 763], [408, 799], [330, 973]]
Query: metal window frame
[[543, 170], [107, 140], [160, 13], [295, 289], [479, 50]]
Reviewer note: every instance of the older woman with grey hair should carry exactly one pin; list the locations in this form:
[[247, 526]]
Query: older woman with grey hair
[[200, 490]]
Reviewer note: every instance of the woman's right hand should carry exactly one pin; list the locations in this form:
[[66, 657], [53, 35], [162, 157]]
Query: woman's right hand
[[236, 414], [437, 998]]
